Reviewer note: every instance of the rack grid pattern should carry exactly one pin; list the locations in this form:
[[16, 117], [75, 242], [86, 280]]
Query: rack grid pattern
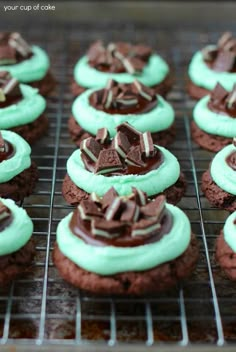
[[40, 308]]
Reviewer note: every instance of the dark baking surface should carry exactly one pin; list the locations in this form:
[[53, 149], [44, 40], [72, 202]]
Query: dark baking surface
[[40, 311]]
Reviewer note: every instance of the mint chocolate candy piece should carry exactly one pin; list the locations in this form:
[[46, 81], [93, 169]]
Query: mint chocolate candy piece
[[5, 216], [108, 161], [145, 227], [102, 135], [146, 144], [88, 210], [20, 45], [139, 196], [90, 148], [108, 229], [154, 208], [121, 144], [114, 210], [130, 213], [224, 62], [108, 197], [218, 94], [134, 157], [131, 133], [231, 99], [2, 144]]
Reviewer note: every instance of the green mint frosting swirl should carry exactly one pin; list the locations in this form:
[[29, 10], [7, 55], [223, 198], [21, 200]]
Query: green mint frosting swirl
[[153, 182], [32, 69], [222, 174], [203, 76], [90, 119], [230, 231], [21, 159], [110, 260], [212, 122], [153, 73], [25, 111], [18, 233]]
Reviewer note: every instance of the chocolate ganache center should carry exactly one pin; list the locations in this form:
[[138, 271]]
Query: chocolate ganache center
[[223, 102], [129, 152], [117, 98], [118, 57], [121, 221], [223, 57]]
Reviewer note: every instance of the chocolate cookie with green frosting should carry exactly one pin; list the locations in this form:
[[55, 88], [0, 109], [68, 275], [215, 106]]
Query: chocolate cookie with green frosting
[[214, 63], [16, 245], [218, 182], [27, 63], [119, 102], [18, 174], [130, 159], [21, 109], [123, 62], [214, 119], [125, 245]]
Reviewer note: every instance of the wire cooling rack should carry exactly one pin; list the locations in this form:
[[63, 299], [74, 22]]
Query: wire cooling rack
[[40, 310]]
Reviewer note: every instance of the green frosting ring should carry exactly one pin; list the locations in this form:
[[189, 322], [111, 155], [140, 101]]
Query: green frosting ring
[[110, 260], [32, 69], [152, 182], [153, 73], [90, 119], [212, 122], [202, 76], [18, 233], [21, 159], [25, 111], [222, 174], [230, 231]]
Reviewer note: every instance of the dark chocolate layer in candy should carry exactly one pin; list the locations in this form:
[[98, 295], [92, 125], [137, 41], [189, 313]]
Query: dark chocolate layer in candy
[[5, 216], [223, 102], [6, 149]]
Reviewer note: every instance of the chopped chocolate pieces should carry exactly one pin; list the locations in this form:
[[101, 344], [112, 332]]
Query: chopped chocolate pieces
[[130, 212], [209, 54], [145, 227], [95, 198], [126, 101], [146, 144], [108, 161], [131, 133], [218, 94], [134, 157], [231, 99], [154, 208], [114, 210], [234, 141], [2, 144], [9, 86], [5, 215], [106, 228], [231, 160], [145, 92], [19, 44], [119, 57], [224, 40], [108, 197], [224, 61], [90, 148], [140, 197], [102, 135], [7, 55], [88, 210], [121, 144]]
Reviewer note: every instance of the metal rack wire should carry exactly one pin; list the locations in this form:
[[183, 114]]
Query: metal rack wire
[[40, 309]]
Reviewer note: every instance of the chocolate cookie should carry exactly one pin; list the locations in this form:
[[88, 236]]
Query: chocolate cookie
[[20, 186], [196, 92], [16, 263], [33, 131], [162, 138], [130, 283], [74, 195], [45, 85], [217, 196], [226, 257], [213, 143]]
